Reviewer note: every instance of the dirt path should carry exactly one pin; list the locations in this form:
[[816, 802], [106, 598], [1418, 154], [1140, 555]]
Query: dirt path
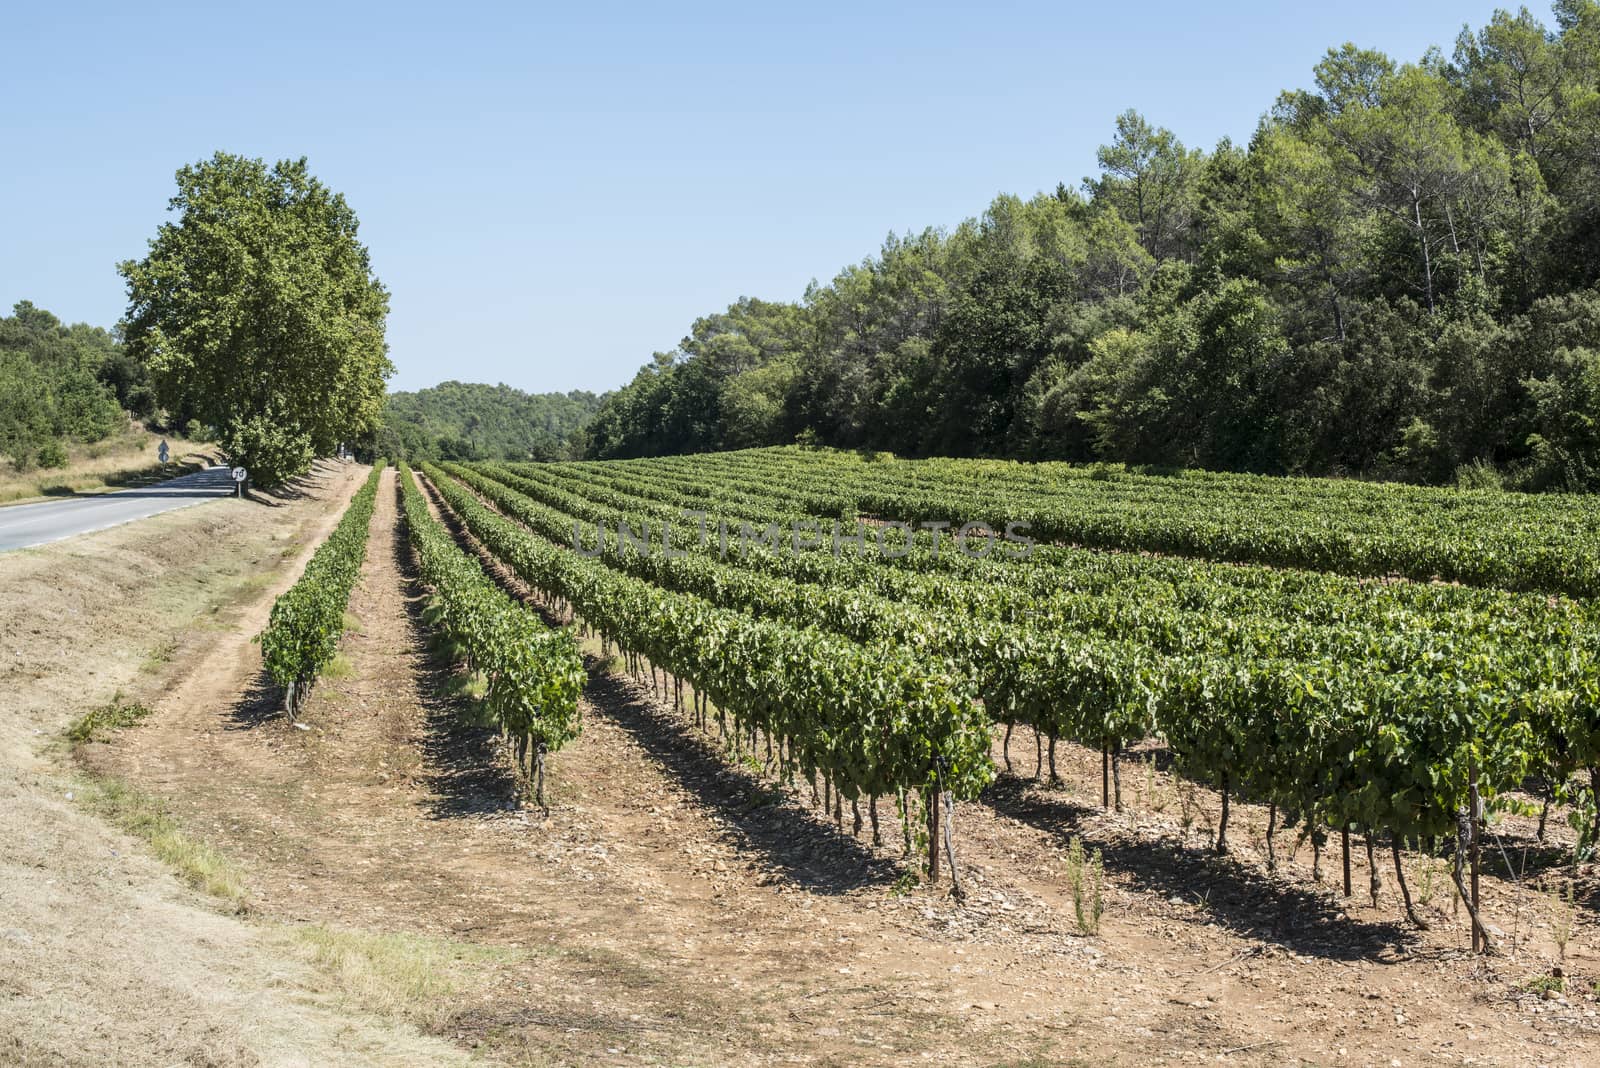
[[104, 957], [623, 921], [675, 908]]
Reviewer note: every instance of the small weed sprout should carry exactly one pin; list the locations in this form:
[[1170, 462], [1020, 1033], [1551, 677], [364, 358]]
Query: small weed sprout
[[1187, 805], [1433, 875], [1564, 913], [1540, 984], [1086, 878]]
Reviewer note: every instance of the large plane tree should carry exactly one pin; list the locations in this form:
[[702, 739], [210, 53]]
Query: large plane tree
[[257, 312]]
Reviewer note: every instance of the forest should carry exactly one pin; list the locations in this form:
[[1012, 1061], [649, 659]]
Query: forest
[[61, 384], [1394, 278], [473, 421]]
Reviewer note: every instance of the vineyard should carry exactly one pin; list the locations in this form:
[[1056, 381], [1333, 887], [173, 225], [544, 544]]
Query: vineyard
[[665, 743], [302, 636], [1149, 618], [532, 674], [1381, 663]]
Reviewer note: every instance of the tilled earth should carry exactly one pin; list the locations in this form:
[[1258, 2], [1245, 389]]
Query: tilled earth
[[676, 905], [105, 958]]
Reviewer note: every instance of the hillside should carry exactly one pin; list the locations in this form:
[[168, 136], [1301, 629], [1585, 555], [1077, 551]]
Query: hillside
[[470, 420], [61, 385], [123, 460]]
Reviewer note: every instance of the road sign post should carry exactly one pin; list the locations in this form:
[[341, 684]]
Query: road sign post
[[239, 476], [162, 451]]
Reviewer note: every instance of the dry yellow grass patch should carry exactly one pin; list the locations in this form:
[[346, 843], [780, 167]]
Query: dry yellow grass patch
[[144, 817], [394, 973], [127, 459]]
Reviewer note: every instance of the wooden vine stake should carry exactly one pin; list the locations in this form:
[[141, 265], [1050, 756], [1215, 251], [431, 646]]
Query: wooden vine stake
[[1374, 884], [1105, 775], [1344, 837], [1222, 822], [1480, 937], [1467, 846]]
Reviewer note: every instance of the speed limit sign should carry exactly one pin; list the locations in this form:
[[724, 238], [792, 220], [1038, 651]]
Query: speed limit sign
[[239, 475]]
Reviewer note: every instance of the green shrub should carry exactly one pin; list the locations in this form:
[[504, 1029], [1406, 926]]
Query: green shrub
[[1479, 475], [272, 451], [112, 716], [1086, 877], [52, 454]]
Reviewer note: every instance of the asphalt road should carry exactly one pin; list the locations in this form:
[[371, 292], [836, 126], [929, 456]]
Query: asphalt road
[[23, 525]]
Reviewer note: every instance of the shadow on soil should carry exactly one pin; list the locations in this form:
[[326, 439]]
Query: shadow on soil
[[465, 766], [759, 815], [296, 488], [1236, 897], [261, 701]]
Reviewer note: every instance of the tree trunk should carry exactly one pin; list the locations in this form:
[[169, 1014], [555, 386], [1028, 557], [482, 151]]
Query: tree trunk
[[1405, 891], [1427, 256]]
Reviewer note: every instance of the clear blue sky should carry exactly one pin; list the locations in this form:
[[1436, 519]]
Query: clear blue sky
[[553, 191]]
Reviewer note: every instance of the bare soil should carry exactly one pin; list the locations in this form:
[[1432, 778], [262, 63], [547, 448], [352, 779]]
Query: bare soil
[[676, 906], [105, 958]]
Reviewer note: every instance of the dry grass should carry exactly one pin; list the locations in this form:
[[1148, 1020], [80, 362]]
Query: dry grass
[[394, 973], [127, 459], [144, 817]]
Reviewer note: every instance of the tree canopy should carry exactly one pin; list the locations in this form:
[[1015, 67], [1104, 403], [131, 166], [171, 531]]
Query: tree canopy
[[1396, 276], [472, 421], [257, 312], [61, 383]]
